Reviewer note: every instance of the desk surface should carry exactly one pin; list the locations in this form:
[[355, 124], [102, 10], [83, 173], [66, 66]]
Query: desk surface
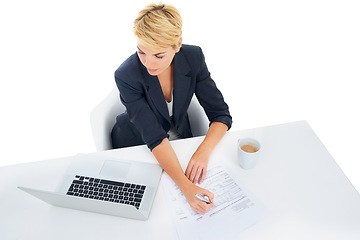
[[308, 195]]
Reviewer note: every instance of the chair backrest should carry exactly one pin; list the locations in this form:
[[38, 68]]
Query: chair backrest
[[199, 122], [103, 118]]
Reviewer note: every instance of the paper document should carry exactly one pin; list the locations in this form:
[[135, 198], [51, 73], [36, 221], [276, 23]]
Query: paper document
[[235, 208]]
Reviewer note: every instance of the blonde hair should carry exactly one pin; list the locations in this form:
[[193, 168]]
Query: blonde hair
[[159, 26]]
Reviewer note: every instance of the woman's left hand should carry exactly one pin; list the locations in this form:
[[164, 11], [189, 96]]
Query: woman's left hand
[[197, 165]]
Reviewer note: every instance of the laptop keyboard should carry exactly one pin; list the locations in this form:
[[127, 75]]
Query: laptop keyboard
[[106, 190]]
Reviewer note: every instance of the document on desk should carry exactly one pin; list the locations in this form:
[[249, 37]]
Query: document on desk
[[235, 207]]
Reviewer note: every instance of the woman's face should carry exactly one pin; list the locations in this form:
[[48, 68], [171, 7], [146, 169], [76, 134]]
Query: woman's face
[[156, 62]]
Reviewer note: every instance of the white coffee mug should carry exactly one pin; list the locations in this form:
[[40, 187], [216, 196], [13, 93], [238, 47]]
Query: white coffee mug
[[248, 152]]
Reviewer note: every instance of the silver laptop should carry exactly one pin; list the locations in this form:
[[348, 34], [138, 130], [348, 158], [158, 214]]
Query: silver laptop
[[115, 187]]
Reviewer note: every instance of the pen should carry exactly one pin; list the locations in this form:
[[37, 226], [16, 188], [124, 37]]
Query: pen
[[202, 198]]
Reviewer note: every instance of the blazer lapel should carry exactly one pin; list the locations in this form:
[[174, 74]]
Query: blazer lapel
[[182, 83], [156, 94]]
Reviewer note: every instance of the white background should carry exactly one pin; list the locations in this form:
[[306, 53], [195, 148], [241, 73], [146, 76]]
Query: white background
[[274, 61]]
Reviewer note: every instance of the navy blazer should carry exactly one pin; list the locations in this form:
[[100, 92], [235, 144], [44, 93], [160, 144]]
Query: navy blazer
[[146, 119]]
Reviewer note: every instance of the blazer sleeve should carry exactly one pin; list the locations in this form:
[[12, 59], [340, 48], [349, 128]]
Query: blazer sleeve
[[132, 94], [209, 95]]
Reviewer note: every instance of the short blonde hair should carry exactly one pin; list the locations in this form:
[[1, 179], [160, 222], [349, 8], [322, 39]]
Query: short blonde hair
[[159, 26]]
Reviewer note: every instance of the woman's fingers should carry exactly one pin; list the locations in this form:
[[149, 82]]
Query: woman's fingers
[[202, 175], [196, 172], [195, 203]]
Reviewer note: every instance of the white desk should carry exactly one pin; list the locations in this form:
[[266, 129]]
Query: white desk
[[306, 192]]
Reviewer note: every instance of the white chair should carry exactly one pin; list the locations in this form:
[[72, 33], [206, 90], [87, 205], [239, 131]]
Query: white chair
[[103, 118]]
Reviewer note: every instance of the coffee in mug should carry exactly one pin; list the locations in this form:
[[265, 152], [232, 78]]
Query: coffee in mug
[[249, 148], [248, 152]]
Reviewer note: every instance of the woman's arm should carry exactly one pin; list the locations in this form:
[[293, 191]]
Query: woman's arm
[[217, 111], [168, 160], [199, 160]]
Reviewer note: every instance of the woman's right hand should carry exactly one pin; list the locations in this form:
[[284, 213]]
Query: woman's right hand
[[167, 158], [195, 203]]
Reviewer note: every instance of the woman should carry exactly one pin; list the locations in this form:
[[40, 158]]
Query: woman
[[156, 85]]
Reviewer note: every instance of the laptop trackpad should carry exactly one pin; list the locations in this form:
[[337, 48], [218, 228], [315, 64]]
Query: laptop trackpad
[[115, 169]]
